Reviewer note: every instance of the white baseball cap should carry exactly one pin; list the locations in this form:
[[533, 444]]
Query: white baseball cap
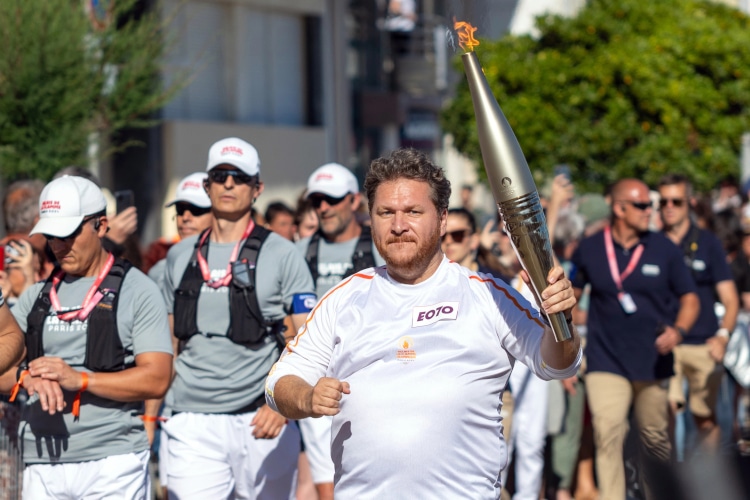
[[333, 180], [65, 202], [190, 190], [235, 152]]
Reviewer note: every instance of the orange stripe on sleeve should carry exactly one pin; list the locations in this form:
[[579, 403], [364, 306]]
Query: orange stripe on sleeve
[[509, 296], [295, 341]]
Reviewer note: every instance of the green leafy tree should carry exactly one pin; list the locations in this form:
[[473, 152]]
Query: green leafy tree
[[626, 89], [68, 74]]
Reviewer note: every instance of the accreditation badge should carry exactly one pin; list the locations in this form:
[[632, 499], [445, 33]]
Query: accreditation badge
[[627, 302]]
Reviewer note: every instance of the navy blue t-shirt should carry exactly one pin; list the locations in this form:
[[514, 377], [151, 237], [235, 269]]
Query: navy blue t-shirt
[[708, 266], [623, 343]]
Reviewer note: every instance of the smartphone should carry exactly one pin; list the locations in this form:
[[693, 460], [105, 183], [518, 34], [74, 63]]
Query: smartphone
[[2, 258], [124, 199], [563, 169]]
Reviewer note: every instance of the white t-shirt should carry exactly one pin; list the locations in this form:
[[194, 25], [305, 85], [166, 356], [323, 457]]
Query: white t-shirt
[[427, 365]]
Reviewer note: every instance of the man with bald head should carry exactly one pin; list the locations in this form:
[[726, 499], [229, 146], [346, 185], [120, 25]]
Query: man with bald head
[[643, 300]]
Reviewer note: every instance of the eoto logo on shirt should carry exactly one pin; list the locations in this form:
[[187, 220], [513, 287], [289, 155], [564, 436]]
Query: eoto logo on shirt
[[427, 315]]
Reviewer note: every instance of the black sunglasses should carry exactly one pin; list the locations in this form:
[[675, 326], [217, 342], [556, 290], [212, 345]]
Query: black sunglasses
[[456, 236], [181, 208], [676, 202], [640, 205], [317, 200], [75, 233], [220, 176]]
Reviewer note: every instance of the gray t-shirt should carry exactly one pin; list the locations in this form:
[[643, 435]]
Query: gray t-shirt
[[214, 374], [334, 261], [157, 271], [105, 427]]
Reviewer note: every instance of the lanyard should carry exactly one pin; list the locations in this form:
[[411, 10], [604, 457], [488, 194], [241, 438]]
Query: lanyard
[[228, 276], [93, 296], [613, 269]]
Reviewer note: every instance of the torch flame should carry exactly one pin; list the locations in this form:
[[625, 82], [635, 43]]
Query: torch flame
[[465, 33]]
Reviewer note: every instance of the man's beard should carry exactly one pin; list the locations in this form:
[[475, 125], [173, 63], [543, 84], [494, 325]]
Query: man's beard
[[413, 262], [334, 226]]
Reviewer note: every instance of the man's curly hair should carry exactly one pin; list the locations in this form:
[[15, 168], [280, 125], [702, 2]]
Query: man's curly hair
[[409, 164]]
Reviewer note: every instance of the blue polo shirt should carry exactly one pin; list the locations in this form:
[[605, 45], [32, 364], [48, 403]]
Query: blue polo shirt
[[708, 265], [623, 343]]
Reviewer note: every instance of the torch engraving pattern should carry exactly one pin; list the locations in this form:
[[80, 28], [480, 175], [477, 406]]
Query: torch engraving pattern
[[527, 230]]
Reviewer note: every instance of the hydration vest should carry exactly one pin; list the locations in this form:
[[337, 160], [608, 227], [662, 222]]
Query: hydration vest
[[362, 258], [246, 324], [104, 349]]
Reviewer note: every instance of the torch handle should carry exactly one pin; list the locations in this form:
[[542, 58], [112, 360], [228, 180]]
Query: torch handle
[[527, 229]]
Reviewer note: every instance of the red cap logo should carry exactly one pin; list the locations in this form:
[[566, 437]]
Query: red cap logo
[[323, 176], [231, 150], [49, 205]]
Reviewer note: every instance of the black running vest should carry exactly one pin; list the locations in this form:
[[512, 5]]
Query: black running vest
[[362, 258], [246, 324], [104, 349]]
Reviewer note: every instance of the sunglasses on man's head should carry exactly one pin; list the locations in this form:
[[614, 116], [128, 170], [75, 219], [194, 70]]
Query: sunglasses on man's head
[[181, 208], [317, 200], [676, 202], [220, 176], [640, 205], [457, 236], [75, 233]]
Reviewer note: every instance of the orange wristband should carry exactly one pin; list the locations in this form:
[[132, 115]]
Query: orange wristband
[[77, 400], [152, 418], [17, 387], [84, 381]]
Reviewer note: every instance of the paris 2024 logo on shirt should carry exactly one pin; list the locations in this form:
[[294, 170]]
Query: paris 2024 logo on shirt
[[405, 350]]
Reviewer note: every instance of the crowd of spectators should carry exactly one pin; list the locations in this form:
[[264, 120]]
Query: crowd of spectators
[[566, 447]]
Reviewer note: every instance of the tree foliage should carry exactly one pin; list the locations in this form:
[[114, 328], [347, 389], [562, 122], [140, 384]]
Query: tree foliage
[[63, 76], [626, 89]]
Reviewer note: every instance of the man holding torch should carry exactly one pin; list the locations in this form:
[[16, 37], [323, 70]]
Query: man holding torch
[[411, 358]]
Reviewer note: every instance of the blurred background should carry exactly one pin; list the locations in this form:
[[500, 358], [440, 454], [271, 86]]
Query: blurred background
[[137, 90]]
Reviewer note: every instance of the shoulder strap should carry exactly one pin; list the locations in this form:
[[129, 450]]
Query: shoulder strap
[[196, 248], [312, 256], [113, 280], [362, 258], [364, 244], [104, 349], [35, 321], [251, 249]]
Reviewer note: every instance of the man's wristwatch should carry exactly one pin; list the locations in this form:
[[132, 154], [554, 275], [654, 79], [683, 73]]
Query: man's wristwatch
[[723, 333], [681, 330]]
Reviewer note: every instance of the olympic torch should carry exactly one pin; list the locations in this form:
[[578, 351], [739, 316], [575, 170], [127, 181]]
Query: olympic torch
[[510, 179]]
